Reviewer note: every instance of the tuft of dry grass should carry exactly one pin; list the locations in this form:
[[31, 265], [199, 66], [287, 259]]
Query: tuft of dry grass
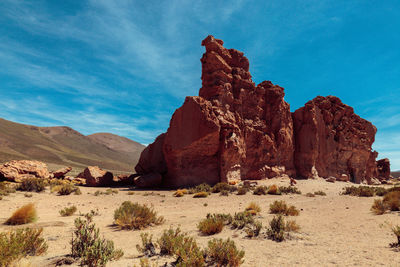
[[211, 225], [379, 207], [289, 190], [242, 190], [310, 195], [253, 208], [200, 195], [180, 192], [280, 207], [224, 253], [66, 189], [23, 215], [20, 243], [319, 193], [260, 190], [392, 200], [135, 216], [273, 190], [68, 211]]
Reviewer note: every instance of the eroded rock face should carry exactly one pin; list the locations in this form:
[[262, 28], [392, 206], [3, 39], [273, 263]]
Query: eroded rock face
[[18, 170], [236, 130], [383, 166], [331, 138], [95, 176]]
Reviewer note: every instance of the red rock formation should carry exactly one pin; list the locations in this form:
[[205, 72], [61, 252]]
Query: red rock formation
[[18, 170], [331, 138], [61, 172], [235, 130], [95, 176], [383, 166]]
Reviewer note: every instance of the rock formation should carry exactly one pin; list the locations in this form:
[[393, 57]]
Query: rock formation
[[383, 166], [18, 170], [61, 172], [236, 130], [95, 176]]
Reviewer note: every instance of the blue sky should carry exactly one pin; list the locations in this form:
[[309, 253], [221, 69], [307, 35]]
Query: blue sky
[[125, 66]]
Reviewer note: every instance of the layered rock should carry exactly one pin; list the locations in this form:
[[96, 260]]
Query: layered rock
[[236, 130], [18, 170], [95, 176]]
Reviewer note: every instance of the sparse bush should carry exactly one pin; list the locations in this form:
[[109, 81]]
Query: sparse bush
[[147, 248], [379, 207], [242, 190], [360, 191], [289, 190], [310, 195], [224, 253], [211, 225], [200, 195], [68, 211], [32, 185], [260, 190], [242, 219], [392, 200], [135, 216], [97, 193], [224, 193], [254, 229], [273, 190], [200, 188], [87, 244], [170, 240], [6, 189], [28, 195], [66, 189], [319, 193], [253, 208], [23, 215], [292, 226], [280, 207], [20, 243], [396, 232], [276, 230], [220, 187]]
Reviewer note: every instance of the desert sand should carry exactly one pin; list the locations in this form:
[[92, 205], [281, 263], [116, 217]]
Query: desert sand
[[336, 230]]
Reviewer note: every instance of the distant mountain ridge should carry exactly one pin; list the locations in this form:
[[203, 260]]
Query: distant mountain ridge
[[65, 146]]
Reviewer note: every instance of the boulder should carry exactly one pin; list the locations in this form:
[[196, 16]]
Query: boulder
[[18, 170], [331, 138], [61, 172], [150, 180], [383, 166], [124, 179], [95, 176]]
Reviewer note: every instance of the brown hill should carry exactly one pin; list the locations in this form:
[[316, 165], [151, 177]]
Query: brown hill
[[65, 146]]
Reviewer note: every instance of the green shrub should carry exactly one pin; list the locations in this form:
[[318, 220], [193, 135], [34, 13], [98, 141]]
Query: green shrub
[[280, 207], [23, 215], [260, 190], [273, 190], [147, 248], [276, 230], [200, 195], [242, 190], [242, 219], [220, 187], [20, 243], [32, 185], [135, 216], [289, 190], [224, 253], [211, 225], [224, 193], [87, 245], [6, 189], [200, 188], [66, 189], [68, 211], [360, 191]]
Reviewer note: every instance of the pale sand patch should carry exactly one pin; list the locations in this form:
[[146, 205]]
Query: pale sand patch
[[335, 230]]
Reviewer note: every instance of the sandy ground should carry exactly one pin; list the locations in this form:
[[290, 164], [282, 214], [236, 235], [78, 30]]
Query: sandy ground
[[336, 230]]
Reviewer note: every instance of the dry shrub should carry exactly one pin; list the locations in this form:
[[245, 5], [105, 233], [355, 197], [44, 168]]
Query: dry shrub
[[241, 220], [136, 216], [20, 243], [32, 185], [253, 229], [396, 232], [379, 207], [220, 187], [6, 189], [253, 208], [180, 192], [280, 207], [292, 226], [260, 190], [200, 188], [23, 215], [87, 245], [211, 225], [276, 230], [224, 253], [68, 211], [360, 191], [392, 200], [319, 193], [273, 190], [310, 195], [147, 248], [289, 190], [200, 195], [66, 189], [224, 193]]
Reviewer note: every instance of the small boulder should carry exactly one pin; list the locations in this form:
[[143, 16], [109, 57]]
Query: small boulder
[[331, 179], [95, 176], [343, 178], [61, 172], [148, 180], [18, 170]]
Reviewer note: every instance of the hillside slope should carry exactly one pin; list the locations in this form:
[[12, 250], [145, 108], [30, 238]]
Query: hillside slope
[[65, 146]]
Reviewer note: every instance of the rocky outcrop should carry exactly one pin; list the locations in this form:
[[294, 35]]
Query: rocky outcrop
[[236, 130], [383, 166], [95, 176], [18, 170], [61, 172], [331, 138]]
